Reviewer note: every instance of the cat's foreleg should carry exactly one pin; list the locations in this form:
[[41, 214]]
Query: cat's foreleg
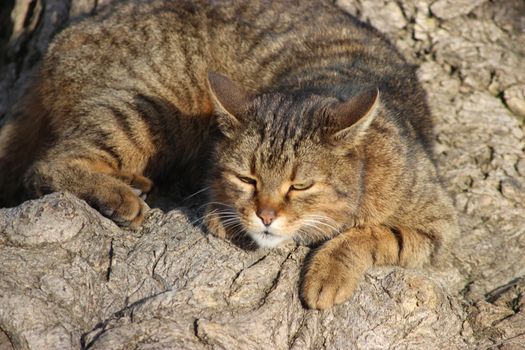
[[411, 238], [425, 228], [116, 194], [335, 269]]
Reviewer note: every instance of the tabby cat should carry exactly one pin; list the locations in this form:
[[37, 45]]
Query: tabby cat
[[306, 124]]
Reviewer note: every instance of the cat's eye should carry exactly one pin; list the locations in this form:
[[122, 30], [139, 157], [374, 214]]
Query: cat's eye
[[301, 186], [247, 180]]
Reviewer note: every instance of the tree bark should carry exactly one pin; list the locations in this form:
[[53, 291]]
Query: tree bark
[[71, 279]]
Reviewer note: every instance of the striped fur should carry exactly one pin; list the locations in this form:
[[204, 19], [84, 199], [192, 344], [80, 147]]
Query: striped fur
[[317, 129]]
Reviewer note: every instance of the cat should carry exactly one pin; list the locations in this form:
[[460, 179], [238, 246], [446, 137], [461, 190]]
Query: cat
[[306, 124]]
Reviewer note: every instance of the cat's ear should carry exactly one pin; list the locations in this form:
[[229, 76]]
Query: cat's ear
[[351, 119], [229, 100]]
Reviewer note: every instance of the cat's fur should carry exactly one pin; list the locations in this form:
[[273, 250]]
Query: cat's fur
[[325, 133]]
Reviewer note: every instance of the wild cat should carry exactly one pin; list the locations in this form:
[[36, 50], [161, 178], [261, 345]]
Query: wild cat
[[307, 124]]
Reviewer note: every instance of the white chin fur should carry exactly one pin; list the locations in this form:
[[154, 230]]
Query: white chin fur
[[267, 241]]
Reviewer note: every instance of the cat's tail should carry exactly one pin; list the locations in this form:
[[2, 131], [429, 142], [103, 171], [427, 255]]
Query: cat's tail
[[21, 137]]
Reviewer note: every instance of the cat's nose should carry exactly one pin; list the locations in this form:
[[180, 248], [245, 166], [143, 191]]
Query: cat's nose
[[267, 215]]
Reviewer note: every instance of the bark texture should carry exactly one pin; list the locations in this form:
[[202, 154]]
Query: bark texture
[[71, 279]]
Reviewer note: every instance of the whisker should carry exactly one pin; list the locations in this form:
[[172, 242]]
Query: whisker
[[236, 226], [316, 230], [324, 220], [230, 221], [323, 217], [195, 193], [218, 203], [214, 212], [333, 228]]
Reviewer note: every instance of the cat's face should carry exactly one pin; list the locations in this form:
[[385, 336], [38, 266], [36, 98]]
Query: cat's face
[[277, 176]]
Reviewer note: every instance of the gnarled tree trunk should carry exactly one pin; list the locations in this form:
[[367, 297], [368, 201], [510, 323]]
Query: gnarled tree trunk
[[70, 278]]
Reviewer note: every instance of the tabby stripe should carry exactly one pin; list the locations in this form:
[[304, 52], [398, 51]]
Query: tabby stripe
[[105, 147], [187, 71], [257, 40], [253, 164], [322, 61], [436, 240], [361, 183], [147, 117], [400, 241], [340, 192], [159, 109], [140, 80], [124, 123], [343, 258], [305, 52]]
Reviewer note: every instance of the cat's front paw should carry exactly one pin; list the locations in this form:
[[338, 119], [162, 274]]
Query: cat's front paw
[[122, 205], [327, 282]]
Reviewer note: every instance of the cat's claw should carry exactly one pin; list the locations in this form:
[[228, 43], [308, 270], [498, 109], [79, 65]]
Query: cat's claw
[[140, 185], [139, 193]]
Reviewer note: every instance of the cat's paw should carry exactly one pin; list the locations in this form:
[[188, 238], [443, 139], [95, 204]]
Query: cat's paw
[[327, 282], [140, 185], [122, 205]]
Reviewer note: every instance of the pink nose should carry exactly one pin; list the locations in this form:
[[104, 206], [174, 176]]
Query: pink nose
[[267, 215]]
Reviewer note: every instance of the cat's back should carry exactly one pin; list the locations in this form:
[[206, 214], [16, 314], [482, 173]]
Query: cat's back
[[128, 45], [166, 48], [255, 42]]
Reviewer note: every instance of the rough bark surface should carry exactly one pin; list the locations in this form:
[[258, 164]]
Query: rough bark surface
[[70, 278]]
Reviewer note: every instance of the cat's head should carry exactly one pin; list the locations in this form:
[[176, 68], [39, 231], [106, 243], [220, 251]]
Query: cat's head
[[286, 167]]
